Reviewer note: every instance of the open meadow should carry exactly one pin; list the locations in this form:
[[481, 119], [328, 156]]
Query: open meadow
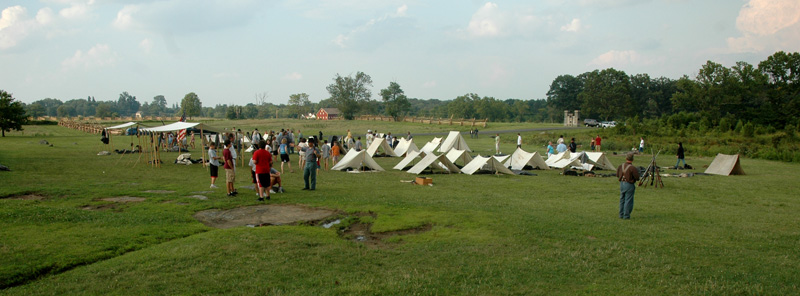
[[466, 234]]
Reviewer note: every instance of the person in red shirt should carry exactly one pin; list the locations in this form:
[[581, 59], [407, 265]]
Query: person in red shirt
[[230, 175], [263, 161], [597, 143]]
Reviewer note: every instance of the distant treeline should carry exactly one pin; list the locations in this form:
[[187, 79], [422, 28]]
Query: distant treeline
[[767, 94]]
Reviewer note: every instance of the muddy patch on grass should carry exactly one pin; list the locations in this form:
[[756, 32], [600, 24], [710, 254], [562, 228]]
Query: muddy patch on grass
[[159, 191], [263, 215], [115, 203], [25, 197], [197, 196], [361, 232]]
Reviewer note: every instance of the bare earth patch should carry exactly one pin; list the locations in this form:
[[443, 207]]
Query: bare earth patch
[[262, 215], [159, 191], [124, 199], [360, 232], [26, 197]]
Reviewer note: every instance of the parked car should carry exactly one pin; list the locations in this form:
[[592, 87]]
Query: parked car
[[591, 122], [606, 124]]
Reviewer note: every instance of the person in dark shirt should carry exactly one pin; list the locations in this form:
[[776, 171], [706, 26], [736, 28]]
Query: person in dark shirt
[[572, 146], [627, 174], [680, 155]]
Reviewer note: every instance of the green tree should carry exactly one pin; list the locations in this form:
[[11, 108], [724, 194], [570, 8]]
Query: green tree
[[521, 110], [395, 100], [191, 105], [12, 114], [463, 106], [350, 93], [563, 95], [65, 111], [127, 104], [298, 104], [104, 109], [607, 94], [35, 110]]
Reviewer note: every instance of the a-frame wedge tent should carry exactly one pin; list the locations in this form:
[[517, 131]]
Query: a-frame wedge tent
[[574, 160], [597, 160], [521, 158], [357, 160], [431, 146], [462, 156], [405, 146], [434, 162], [725, 165], [454, 141], [553, 159], [380, 143], [490, 164], [410, 157]]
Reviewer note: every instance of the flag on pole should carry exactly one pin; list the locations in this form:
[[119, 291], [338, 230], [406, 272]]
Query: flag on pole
[[182, 133]]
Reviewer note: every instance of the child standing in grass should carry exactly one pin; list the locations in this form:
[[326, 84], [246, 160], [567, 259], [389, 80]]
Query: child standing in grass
[[230, 174], [326, 153], [213, 163]]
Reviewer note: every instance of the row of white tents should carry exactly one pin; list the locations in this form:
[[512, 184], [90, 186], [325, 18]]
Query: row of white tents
[[454, 150]]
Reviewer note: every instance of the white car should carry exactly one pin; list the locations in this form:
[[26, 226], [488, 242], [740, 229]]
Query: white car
[[606, 124]]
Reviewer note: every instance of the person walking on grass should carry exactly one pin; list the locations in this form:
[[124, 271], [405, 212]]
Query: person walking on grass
[[519, 140], [284, 152], [627, 174], [680, 156], [310, 170], [263, 161], [230, 175], [497, 143], [326, 153], [213, 163]]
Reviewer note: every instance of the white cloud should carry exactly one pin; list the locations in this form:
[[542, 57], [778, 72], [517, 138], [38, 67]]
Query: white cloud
[[342, 39], [124, 18], [616, 58], [14, 26], [146, 45], [767, 25], [573, 26], [45, 16], [99, 55], [294, 76], [487, 21], [75, 11]]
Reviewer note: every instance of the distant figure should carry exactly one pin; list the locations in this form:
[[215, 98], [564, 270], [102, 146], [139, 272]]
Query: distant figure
[[560, 139], [284, 152], [326, 153], [561, 148], [358, 144], [497, 143], [572, 146], [641, 145], [680, 156], [310, 170], [550, 149], [302, 152], [335, 151], [191, 142], [230, 174], [592, 147], [476, 133], [263, 163], [409, 136], [213, 163], [597, 143], [519, 141], [627, 174]]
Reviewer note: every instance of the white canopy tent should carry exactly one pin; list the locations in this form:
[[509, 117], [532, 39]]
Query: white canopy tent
[[481, 163], [454, 141], [357, 160], [380, 143], [175, 126], [434, 162], [121, 126], [521, 158], [405, 146]]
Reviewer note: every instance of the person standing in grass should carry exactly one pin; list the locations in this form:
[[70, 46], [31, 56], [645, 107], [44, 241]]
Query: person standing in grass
[[550, 149], [358, 144], [597, 143], [326, 153], [310, 170], [519, 140], [680, 156], [336, 150], [263, 161], [302, 152], [230, 175], [641, 145], [627, 174], [497, 143], [561, 148], [572, 146], [213, 163], [284, 152]]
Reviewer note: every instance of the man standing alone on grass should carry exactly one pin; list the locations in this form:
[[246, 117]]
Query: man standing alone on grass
[[627, 174], [310, 170], [497, 143], [263, 161], [519, 140], [230, 175], [597, 143]]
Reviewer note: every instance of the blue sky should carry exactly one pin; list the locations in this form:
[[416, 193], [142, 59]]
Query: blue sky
[[229, 51]]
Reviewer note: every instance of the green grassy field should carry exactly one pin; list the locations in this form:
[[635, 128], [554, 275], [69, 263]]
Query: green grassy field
[[487, 234]]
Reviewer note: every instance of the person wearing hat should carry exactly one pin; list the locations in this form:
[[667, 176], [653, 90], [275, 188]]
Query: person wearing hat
[[627, 174]]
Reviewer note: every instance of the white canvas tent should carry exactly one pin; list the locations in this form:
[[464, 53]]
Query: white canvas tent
[[501, 158], [405, 146], [121, 126], [434, 162], [410, 157], [573, 160], [356, 160], [175, 126], [431, 146], [598, 160], [553, 159], [521, 158], [455, 155], [380, 143], [485, 164], [725, 165], [454, 141]]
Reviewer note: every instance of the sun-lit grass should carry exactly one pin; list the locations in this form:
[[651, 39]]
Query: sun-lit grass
[[545, 234]]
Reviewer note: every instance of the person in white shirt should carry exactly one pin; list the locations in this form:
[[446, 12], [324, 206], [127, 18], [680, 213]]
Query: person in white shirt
[[519, 141], [497, 144], [641, 145]]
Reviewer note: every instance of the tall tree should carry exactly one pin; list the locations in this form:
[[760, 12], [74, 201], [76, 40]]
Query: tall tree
[[395, 100], [463, 106], [563, 95], [350, 93], [607, 94], [127, 104], [191, 105], [299, 104], [12, 114], [35, 110]]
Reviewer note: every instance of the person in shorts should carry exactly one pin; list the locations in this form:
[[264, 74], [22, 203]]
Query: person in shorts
[[326, 153], [283, 149], [213, 163], [230, 175], [263, 162]]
